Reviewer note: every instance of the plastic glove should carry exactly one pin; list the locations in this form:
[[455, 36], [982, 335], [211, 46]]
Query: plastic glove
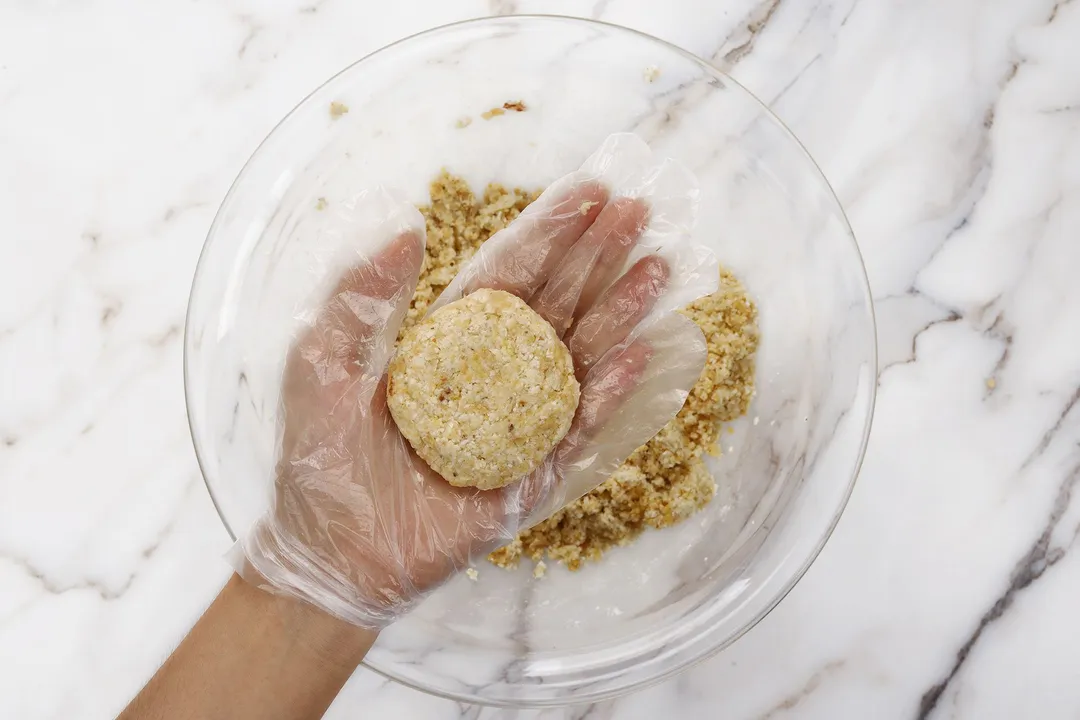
[[362, 528]]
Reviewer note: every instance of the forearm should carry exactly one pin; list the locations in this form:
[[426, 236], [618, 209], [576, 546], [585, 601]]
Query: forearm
[[254, 655]]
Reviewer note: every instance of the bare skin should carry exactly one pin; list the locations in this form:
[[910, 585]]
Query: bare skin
[[254, 655], [267, 655]]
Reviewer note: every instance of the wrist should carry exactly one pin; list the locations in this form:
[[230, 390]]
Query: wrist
[[332, 643]]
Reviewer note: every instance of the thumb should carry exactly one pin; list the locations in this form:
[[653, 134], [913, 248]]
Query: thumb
[[392, 277], [370, 300]]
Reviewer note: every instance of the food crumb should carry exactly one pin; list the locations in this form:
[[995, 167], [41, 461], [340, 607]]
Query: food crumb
[[540, 569], [337, 109], [463, 122], [320, 204], [991, 383], [651, 73], [472, 574], [664, 481], [756, 419], [584, 209], [515, 106]]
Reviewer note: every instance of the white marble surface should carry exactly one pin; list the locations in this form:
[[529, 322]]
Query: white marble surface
[[951, 132]]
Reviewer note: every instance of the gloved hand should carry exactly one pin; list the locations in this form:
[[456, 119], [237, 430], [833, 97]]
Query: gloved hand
[[360, 526]]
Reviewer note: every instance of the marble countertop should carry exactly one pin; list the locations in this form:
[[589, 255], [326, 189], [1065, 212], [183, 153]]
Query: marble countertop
[[951, 133]]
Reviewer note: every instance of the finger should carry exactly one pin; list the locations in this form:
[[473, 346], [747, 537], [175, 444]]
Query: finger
[[592, 263], [624, 404], [521, 260], [618, 312], [602, 395], [543, 491], [390, 271], [614, 255]]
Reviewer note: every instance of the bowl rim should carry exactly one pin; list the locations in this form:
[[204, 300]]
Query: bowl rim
[[694, 657]]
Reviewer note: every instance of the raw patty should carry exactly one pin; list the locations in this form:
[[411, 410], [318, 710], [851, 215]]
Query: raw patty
[[483, 389]]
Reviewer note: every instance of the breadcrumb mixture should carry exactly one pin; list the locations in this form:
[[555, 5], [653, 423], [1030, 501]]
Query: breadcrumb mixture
[[664, 481], [457, 224]]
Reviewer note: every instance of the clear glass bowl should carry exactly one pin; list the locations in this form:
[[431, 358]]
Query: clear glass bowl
[[675, 596]]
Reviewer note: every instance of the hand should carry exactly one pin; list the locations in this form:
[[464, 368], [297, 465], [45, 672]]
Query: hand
[[360, 526]]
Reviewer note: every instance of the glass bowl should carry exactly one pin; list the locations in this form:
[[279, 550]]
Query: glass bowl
[[675, 596]]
